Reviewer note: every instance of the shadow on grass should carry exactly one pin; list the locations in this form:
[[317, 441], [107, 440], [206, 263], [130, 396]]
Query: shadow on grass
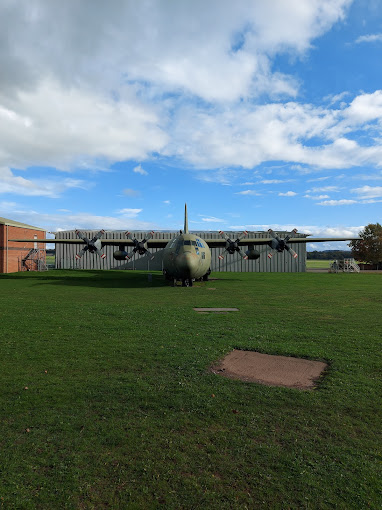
[[93, 278]]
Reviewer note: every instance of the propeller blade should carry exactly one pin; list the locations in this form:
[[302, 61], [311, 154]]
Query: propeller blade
[[243, 255], [223, 234], [130, 255], [149, 236], [273, 234], [99, 252], [84, 249], [294, 232], [90, 244], [81, 235], [243, 234], [97, 236], [233, 246], [292, 252]]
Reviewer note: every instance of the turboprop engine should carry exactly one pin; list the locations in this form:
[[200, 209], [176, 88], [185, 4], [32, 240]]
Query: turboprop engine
[[251, 253], [120, 254], [139, 247]]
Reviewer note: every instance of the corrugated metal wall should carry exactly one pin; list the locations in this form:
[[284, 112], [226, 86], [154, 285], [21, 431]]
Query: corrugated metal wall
[[280, 262]]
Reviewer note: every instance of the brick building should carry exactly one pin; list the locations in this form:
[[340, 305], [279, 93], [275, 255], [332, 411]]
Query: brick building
[[20, 256]]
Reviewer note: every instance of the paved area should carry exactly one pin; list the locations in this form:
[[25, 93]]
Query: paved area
[[271, 370]]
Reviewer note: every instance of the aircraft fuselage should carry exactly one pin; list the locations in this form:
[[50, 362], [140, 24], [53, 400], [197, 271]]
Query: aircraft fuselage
[[186, 257]]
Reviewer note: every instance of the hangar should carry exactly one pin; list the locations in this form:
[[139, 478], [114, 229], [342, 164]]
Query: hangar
[[280, 262], [16, 257]]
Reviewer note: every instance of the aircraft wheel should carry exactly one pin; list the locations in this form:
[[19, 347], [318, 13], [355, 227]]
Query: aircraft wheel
[[205, 277]]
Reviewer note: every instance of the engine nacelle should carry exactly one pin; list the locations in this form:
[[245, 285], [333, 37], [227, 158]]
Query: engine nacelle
[[120, 255], [252, 254]]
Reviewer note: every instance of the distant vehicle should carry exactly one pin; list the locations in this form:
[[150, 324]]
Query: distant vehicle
[[186, 257]]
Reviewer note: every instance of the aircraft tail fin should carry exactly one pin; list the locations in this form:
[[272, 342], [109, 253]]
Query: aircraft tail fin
[[185, 220]]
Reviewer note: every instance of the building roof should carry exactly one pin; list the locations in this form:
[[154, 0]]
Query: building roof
[[12, 223]]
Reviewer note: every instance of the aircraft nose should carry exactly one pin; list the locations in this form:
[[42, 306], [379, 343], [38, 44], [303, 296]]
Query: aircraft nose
[[187, 264]]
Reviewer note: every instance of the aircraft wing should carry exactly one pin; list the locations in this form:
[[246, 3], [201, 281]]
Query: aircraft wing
[[212, 243], [216, 243], [321, 239], [152, 243]]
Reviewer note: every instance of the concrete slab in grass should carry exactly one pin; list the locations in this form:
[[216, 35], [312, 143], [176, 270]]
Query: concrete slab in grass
[[271, 370]]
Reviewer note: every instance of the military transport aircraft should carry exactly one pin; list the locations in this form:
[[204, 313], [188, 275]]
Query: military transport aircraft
[[186, 257]]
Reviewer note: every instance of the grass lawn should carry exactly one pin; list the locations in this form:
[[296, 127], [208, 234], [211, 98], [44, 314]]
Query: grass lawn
[[106, 399], [318, 264]]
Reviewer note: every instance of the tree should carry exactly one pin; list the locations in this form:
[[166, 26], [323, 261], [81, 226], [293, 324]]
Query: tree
[[369, 248]]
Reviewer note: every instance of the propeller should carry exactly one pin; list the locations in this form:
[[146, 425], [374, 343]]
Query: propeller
[[233, 246], [93, 245], [139, 246], [280, 245]]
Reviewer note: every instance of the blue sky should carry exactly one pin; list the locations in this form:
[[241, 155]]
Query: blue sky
[[257, 114]]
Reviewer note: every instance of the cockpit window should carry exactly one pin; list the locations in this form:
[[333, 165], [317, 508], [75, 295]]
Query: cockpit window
[[187, 242]]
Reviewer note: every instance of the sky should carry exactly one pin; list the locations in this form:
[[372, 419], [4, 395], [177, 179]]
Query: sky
[[257, 114]]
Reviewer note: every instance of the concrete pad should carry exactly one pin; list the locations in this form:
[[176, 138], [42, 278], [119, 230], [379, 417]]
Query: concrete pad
[[270, 370], [216, 309]]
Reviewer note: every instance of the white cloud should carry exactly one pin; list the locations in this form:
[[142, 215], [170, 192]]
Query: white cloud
[[365, 108], [317, 179], [332, 99], [371, 201], [369, 38], [129, 213], [75, 127], [288, 194], [248, 192], [368, 191], [139, 170], [52, 188], [369, 177], [337, 202], [311, 230], [323, 188], [316, 197], [174, 45], [275, 181], [54, 222], [212, 219], [125, 85], [249, 135]]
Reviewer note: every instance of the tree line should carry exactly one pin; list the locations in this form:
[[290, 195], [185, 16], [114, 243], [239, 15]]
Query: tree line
[[329, 255]]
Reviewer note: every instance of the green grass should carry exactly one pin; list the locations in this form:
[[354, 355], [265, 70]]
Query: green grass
[[50, 259], [119, 404], [318, 264]]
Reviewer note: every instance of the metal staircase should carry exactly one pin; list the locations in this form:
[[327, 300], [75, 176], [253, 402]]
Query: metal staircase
[[34, 261], [344, 266]]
